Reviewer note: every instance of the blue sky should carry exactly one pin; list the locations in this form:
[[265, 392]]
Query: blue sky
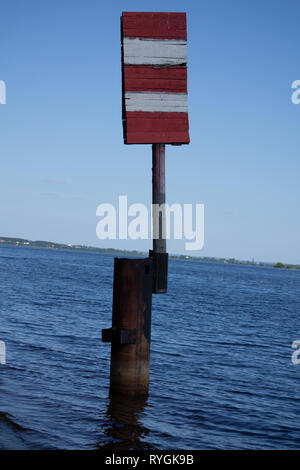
[[61, 146]]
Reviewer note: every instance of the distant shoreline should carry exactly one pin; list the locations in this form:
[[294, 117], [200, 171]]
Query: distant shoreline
[[62, 246]]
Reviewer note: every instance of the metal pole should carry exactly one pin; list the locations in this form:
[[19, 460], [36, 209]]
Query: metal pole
[[159, 197], [159, 252]]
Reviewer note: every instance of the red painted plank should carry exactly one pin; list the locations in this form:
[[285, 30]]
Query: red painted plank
[[147, 78], [158, 138], [150, 121], [154, 25], [143, 127]]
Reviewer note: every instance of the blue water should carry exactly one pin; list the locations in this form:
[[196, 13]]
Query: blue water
[[221, 369]]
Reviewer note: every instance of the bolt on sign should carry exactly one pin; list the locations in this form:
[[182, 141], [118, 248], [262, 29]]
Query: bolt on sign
[[154, 78]]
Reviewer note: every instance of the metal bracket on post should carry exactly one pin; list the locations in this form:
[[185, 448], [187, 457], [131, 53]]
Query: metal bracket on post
[[160, 272], [117, 336]]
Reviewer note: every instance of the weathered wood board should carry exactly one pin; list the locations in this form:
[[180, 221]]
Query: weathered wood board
[[140, 51], [154, 78]]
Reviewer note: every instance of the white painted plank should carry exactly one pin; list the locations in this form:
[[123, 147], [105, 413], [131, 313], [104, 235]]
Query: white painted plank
[[156, 102], [139, 51]]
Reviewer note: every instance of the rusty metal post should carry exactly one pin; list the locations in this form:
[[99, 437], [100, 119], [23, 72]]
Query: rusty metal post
[[130, 334], [159, 254]]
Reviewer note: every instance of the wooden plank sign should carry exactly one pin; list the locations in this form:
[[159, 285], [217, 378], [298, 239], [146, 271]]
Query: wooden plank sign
[[154, 78]]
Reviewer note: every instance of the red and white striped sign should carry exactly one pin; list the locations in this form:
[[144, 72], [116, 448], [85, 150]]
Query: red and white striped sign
[[154, 72]]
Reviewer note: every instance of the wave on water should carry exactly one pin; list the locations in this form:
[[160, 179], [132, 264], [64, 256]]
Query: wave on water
[[4, 417], [11, 433]]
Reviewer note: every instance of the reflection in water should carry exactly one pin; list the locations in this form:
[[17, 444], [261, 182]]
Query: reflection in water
[[123, 429]]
